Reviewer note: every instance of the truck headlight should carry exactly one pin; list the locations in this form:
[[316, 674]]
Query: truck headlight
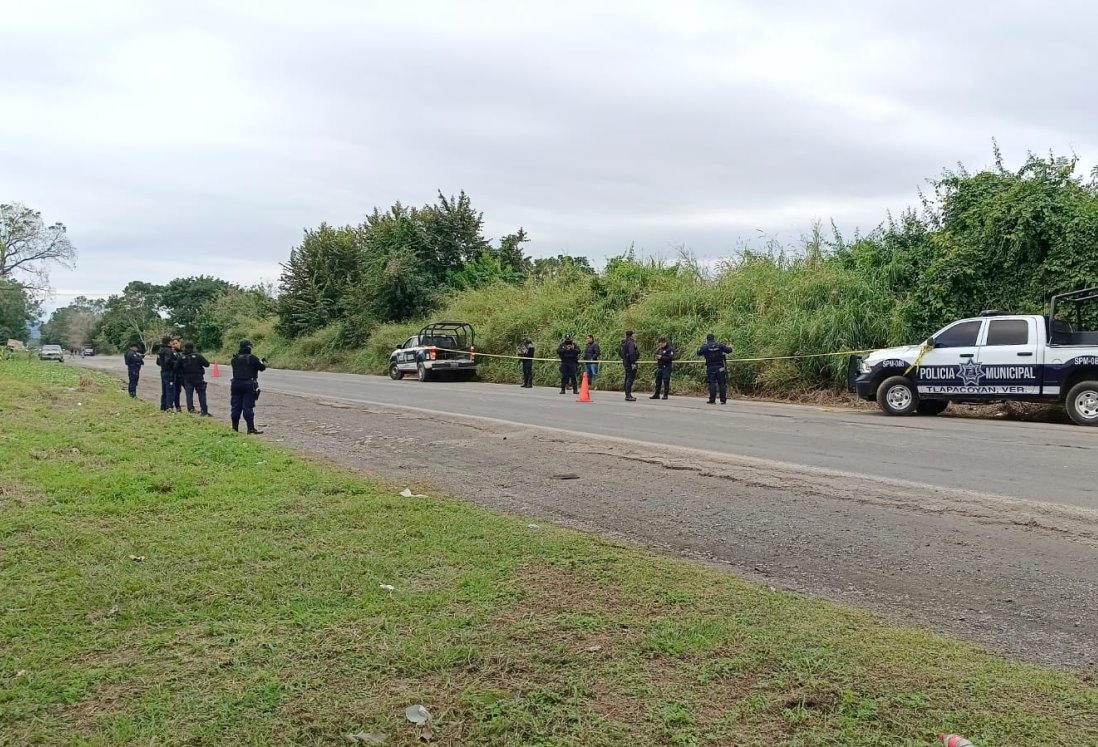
[[865, 367]]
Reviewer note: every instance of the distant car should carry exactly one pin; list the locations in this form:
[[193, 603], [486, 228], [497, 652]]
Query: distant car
[[51, 353], [442, 348], [87, 352]]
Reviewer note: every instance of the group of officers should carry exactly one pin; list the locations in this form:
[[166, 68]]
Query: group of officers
[[182, 369], [715, 355]]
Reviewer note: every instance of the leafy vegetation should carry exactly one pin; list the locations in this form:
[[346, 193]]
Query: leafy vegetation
[[997, 238], [168, 581]]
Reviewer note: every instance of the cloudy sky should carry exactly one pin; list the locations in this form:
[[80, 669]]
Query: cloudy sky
[[191, 138]]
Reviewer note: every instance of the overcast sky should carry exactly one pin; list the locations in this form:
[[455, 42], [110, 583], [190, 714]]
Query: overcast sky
[[177, 139]]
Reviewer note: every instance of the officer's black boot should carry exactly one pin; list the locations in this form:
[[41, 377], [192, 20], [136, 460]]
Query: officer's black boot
[[236, 424], [655, 395]]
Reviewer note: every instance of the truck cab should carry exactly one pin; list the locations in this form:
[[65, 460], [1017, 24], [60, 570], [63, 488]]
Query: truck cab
[[991, 358]]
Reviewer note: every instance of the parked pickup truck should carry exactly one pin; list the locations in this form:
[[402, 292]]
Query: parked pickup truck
[[444, 348], [993, 358]]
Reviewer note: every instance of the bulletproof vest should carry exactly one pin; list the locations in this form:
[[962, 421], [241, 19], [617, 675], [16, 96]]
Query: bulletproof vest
[[713, 354], [167, 359], [664, 356], [244, 366], [133, 360], [190, 363]]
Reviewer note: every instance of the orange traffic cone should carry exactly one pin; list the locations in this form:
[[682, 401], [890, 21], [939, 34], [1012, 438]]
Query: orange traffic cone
[[955, 740], [585, 390], [216, 373]]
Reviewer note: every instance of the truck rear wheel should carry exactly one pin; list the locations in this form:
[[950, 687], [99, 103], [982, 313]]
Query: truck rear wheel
[[395, 373], [422, 373], [1082, 403], [932, 406], [897, 396]]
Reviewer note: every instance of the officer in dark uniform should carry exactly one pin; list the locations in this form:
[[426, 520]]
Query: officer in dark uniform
[[714, 353], [629, 357], [244, 386], [177, 385], [569, 354], [134, 362], [166, 359], [191, 371], [664, 357], [526, 352]]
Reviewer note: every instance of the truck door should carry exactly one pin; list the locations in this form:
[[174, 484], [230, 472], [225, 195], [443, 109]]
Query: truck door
[[1007, 362], [943, 370]]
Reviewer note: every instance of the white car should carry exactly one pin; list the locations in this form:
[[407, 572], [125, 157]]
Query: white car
[[51, 353]]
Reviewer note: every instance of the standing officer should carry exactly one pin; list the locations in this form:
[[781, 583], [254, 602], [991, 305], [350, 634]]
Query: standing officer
[[629, 357], [134, 362], [714, 353], [166, 358], [569, 354], [177, 346], [526, 352], [191, 370], [591, 353], [664, 356], [244, 386]]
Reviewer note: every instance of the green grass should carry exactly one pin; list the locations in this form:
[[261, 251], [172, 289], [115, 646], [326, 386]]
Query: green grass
[[256, 615]]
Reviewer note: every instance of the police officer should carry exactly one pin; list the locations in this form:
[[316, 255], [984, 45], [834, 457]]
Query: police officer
[[166, 360], [664, 357], [569, 354], [177, 346], [192, 366], [526, 352], [244, 386], [629, 357], [714, 353], [134, 362], [591, 354]]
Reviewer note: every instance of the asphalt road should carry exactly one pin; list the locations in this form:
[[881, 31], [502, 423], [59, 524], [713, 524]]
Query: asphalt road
[[1033, 461]]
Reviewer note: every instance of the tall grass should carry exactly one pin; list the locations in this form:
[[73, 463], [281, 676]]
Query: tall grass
[[765, 304]]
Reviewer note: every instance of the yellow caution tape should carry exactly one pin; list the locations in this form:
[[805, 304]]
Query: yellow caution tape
[[479, 354], [923, 350]]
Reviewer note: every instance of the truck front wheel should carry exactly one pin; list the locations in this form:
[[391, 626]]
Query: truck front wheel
[[395, 373], [1082, 403], [897, 396]]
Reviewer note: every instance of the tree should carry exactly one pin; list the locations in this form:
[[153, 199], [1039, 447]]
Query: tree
[[75, 325], [547, 267], [137, 315], [28, 247], [319, 279], [17, 310], [511, 255], [183, 299], [230, 309]]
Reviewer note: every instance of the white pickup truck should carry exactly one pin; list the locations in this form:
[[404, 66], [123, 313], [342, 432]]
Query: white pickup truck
[[992, 358]]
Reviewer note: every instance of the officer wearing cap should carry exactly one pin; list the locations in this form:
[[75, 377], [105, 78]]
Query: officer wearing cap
[[192, 367], [629, 358], [569, 353], [134, 362], [244, 387], [526, 353], [714, 353]]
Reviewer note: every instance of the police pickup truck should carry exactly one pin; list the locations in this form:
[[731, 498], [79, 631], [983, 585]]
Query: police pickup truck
[[993, 358], [441, 348]]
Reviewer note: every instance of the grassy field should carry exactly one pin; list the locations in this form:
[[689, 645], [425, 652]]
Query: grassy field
[[166, 581]]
